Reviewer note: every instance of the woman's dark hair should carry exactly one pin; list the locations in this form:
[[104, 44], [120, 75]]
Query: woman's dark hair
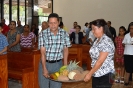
[[61, 24], [27, 25], [86, 24], [53, 15], [102, 23], [124, 29], [13, 22], [128, 30]]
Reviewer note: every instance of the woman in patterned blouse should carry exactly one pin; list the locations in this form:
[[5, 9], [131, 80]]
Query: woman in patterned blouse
[[27, 38], [102, 55], [13, 37]]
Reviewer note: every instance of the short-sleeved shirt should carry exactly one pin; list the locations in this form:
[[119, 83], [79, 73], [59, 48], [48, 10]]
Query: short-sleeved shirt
[[54, 44], [104, 45], [20, 29], [12, 39], [91, 36], [5, 29], [26, 41], [128, 41], [3, 42]]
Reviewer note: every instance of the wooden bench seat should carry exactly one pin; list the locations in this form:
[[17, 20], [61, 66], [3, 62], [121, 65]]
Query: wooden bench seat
[[23, 66], [86, 59], [75, 53], [3, 72], [80, 52]]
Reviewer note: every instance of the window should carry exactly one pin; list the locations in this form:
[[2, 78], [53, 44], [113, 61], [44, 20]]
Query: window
[[22, 11], [25, 10], [42, 7], [6, 11], [14, 10]]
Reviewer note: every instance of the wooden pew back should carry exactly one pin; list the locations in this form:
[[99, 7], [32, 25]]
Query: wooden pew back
[[86, 59], [3, 72], [80, 52], [26, 63], [20, 60], [75, 53]]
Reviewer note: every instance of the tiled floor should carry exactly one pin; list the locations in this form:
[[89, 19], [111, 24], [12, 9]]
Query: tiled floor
[[14, 84]]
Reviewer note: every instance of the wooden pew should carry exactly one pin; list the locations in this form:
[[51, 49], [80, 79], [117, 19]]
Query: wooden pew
[[86, 59], [23, 66], [80, 52], [75, 53], [3, 72]]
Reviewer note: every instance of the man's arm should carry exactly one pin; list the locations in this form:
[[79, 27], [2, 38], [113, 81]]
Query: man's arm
[[65, 53], [4, 50], [43, 59]]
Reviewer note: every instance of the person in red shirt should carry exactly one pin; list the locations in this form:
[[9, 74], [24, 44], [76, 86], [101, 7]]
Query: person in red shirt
[[5, 27]]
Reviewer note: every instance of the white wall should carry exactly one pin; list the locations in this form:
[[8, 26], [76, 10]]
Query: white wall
[[119, 12]]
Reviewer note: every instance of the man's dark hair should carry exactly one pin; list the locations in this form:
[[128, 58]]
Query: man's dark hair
[[75, 22], [86, 23], [78, 26], [53, 15], [109, 22]]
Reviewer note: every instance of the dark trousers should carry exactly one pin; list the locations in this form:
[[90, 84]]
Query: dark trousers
[[105, 81], [130, 77]]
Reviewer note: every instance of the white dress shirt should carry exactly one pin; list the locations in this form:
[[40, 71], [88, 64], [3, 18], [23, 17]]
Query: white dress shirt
[[128, 41]]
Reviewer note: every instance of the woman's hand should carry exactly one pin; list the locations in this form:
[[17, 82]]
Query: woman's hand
[[87, 77], [8, 48]]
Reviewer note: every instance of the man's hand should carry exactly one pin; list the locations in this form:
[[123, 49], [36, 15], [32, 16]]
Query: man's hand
[[45, 73]]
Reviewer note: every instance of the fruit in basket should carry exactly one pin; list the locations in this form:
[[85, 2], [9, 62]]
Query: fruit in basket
[[71, 75], [64, 72], [57, 74], [53, 76], [72, 66], [63, 68], [76, 71], [77, 75], [63, 78]]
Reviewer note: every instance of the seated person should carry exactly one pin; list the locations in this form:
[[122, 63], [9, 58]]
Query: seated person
[[3, 42], [77, 36], [27, 38]]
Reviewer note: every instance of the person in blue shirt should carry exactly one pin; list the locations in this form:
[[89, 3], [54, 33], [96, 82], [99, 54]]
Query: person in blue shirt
[[3, 42]]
